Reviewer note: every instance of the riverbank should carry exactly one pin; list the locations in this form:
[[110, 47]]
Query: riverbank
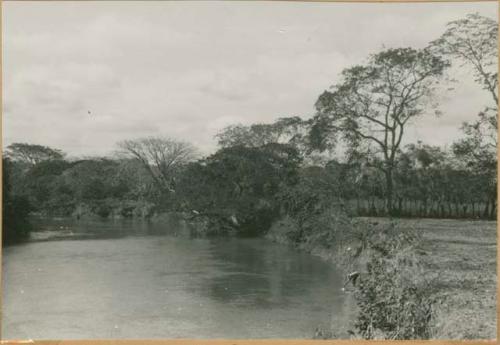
[[460, 256]]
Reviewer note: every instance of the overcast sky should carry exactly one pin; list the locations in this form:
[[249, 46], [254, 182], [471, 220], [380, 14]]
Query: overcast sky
[[186, 70]]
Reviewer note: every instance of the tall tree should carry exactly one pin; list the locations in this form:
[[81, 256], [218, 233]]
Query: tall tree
[[161, 157], [372, 105], [473, 42]]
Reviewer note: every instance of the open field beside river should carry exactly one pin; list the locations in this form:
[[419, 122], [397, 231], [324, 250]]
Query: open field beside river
[[458, 260], [462, 257]]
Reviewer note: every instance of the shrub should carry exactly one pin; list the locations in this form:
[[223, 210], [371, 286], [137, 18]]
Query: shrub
[[320, 215], [394, 295], [329, 228]]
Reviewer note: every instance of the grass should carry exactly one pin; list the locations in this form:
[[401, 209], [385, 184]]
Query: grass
[[461, 255]]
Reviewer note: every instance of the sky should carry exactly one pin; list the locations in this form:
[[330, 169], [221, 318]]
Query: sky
[[186, 70]]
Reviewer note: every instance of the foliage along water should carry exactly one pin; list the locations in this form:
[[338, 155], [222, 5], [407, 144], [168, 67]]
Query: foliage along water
[[122, 279]]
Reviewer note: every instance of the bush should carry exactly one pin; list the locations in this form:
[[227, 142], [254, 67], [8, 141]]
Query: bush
[[327, 229], [320, 215], [394, 295]]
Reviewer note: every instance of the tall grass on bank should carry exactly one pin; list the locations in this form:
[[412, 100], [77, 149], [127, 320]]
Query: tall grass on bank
[[393, 294]]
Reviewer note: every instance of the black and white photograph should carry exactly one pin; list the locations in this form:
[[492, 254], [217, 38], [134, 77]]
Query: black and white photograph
[[249, 170]]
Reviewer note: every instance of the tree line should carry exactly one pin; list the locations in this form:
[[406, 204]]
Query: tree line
[[349, 153]]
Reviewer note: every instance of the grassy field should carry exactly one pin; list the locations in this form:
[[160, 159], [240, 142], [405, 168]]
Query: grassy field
[[458, 257], [461, 255]]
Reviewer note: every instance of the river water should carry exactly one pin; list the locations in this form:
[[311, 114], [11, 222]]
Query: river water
[[136, 280]]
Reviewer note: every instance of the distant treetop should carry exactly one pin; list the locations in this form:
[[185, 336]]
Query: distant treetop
[[32, 154]]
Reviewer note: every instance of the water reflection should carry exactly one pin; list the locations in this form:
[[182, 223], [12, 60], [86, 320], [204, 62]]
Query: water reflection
[[266, 276], [70, 229]]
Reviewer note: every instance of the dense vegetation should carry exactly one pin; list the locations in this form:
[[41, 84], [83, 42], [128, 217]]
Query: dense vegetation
[[314, 174], [15, 208]]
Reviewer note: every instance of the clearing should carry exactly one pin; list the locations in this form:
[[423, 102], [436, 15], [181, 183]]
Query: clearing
[[462, 255]]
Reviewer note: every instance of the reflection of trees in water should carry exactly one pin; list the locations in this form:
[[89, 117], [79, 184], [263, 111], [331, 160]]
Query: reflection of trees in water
[[264, 275], [70, 228], [58, 228]]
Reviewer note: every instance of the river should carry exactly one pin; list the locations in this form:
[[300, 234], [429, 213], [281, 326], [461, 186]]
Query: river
[[122, 279]]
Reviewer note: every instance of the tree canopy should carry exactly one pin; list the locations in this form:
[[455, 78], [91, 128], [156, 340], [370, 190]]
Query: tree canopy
[[32, 154], [373, 103], [473, 41], [161, 157]]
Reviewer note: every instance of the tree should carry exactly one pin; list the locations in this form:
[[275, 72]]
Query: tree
[[249, 136], [292, 131], [477, 152], [43, 185], [285, 130], [236, 187], [137, 180], [32, 154], [92, 179], [421, 177], [161, 157], [372, 105], [473, 41], [478, 148]]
